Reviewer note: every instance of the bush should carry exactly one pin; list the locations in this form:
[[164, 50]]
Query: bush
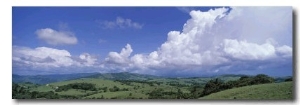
[[288, 79]]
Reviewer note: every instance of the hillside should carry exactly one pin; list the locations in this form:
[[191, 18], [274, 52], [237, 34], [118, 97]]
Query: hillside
[[139, 86], [282, 90]]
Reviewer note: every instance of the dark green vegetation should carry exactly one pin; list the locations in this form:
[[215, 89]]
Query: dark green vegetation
[[217, 85], [138, 86]]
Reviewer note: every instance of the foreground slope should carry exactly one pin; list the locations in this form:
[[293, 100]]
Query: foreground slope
[[282, 90]]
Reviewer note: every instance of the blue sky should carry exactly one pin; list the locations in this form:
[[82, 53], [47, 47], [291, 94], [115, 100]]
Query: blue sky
[[170, 41]]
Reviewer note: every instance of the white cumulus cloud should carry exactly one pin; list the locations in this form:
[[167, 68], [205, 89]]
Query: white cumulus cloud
[[217, 40], [248, 51], [49, 56], [54, 37], [89, 59], [120, 58], [45, 57]]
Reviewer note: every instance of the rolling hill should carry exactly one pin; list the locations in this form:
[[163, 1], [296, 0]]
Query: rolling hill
[[126, 85], [283, 90]]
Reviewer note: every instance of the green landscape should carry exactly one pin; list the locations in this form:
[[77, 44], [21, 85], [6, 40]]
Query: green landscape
[[138, 86]]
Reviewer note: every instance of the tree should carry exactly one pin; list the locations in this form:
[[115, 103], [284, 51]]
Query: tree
[[156, 94], [211, 87], [262, 78], [289, 79], [179, 94], [102, 97]]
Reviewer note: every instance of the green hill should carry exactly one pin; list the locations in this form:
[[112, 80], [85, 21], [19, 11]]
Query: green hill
[[110, 89], [140, 86], [282, 90]]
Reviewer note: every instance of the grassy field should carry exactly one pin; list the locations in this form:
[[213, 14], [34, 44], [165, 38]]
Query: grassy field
[[43, 88], [272, 91], [134, 90]]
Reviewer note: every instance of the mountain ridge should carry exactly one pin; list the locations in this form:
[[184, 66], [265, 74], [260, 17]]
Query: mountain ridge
[[44, 79]]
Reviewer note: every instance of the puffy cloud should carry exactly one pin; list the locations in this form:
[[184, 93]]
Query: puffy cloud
[[284, 51], [54, 37], [248, 51], [256, 24], [120, 58], [219, 40], [45, 57], [89, 60], [42, 56], [122, 23]]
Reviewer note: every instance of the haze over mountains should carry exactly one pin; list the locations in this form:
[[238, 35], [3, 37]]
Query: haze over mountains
[[44, 79]]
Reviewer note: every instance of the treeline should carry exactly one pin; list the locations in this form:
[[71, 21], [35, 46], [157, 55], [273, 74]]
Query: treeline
[[83, 86], [217, 85], [161, 94]]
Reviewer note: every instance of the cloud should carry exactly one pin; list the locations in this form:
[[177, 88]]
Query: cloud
[[119, 58], [121, 23], [219, 40], [54, 37], [88, 59], [248, 51], [186, 9], [45, 57], [49, 56], [285, 51]]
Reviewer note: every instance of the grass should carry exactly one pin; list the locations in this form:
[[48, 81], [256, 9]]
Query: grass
[[74, 92], [119, 95], [139, 90], [135, 90], [43, 88], [272, 91]]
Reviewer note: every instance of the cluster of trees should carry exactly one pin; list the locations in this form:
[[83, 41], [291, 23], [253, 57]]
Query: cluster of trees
[[83, 86], [161, 94], [288, 79], [115, 88], [21, 92], [217, 85]]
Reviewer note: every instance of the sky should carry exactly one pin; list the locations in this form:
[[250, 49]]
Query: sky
[[164, 41]]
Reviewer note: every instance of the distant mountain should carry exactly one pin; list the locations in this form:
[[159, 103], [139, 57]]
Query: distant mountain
[[124, 76], [282, 79], [44, 79]]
